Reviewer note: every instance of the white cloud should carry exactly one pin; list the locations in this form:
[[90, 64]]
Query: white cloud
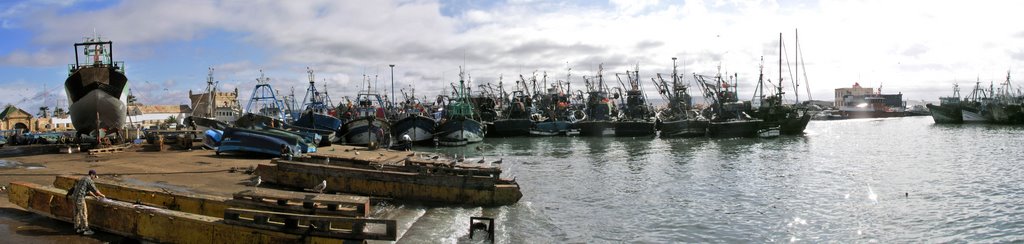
[[914, 47]]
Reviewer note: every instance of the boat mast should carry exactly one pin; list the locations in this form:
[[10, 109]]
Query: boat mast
[[211, 89]]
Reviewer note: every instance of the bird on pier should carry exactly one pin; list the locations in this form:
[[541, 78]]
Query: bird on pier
[[380, 154], [256, 181], [435, 157], [482, 160], [460, 158], [498, 162], [357, 153], [320, 188]]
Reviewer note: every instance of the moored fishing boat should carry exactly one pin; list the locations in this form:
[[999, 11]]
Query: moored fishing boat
[[413, 121], [556, 115], [637, 118], [949, 110], [678, 118], [460, 125], [368, 124], [727, 114], [599, 108], [514, 119], [318, 115]]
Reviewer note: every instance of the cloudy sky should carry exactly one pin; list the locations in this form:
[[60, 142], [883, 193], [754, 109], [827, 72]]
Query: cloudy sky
[[919, 48]]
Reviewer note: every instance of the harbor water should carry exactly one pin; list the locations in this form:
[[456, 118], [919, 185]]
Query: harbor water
[[885, 180]]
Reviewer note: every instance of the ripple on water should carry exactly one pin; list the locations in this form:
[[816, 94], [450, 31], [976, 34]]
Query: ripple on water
[[883, 180]]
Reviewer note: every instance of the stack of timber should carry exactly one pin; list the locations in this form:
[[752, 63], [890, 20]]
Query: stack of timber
[[404, 177], [324, 218], [106, 150]]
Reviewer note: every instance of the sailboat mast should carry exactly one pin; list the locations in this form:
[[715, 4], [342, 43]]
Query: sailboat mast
[[796, 60], [780, 67]]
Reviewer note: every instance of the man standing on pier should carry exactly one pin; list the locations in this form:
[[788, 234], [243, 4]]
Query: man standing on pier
[[82, 188]]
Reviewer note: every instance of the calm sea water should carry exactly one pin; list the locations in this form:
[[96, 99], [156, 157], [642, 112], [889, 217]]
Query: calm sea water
[[886, 180]]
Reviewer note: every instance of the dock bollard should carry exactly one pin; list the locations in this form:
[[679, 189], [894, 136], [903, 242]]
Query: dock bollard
[[484, 224]]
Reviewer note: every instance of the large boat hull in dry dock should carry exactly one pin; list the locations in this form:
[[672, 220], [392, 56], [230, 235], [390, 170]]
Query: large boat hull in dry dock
[[96, 91]]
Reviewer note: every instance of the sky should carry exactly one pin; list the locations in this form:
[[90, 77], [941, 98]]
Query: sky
[[917, 48]]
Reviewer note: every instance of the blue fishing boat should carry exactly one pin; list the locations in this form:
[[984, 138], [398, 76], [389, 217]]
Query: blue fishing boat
[[413, 121], [317, 114], [212, 138], [460, 125], [269, 141], [556, 113]]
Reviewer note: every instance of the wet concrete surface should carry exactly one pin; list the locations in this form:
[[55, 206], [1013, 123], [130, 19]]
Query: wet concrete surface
[[19, 226]]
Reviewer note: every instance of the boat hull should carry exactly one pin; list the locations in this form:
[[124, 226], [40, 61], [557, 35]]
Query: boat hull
[[871, 114], [318, 121], [458, 132], [794, 125], [552, 128], [510, 128], [364, 130], [212, 138], [946, 114], [973, 116], [634, 128], [684, 128], [261, 141], [1006, 113], [419, 128], [739, 128], [596, 128], [111, 110]]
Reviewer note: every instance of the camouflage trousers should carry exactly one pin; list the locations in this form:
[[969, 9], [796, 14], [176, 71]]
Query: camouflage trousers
[[81, 217]]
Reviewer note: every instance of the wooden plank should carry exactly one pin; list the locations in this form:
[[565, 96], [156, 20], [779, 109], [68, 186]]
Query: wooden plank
[[317, 204], [313, 225]]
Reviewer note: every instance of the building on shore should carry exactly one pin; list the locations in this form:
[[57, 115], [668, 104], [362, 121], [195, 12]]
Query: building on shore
[[865, 102], [14, 118], [223, 106], [156, 116]]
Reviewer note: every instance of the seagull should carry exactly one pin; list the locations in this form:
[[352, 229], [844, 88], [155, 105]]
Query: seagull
[[256, 181], [380, 154], [461, 158], [435, 157], [320, 188], [357, 153]]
